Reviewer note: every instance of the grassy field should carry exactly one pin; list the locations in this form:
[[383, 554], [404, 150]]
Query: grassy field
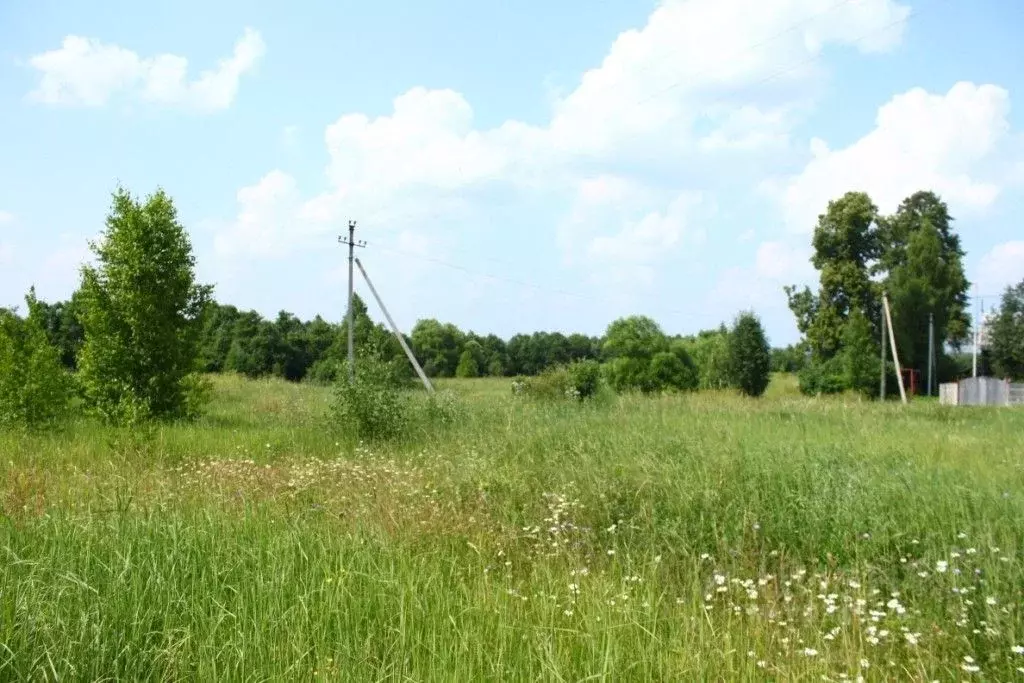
[[700, 537]]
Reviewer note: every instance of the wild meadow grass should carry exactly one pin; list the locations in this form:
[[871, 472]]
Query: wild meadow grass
[[698, 537]]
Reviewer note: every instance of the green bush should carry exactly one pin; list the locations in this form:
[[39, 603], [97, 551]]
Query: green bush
[[552, 384], [579, 380], [819, 377], [668, 371], [35, 390], [585, 378], [628, 374], [373, 407], [325, 371]]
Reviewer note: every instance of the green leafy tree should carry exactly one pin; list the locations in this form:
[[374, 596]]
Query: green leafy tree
[[860, 355], [709, 350], [438, 346], [749, 355], [923, 264], [467, 365], [789, 359], [637, 337], [62, 324], [845, 245], [1006, 335], [35, 389], [142, 313], [217, 336]]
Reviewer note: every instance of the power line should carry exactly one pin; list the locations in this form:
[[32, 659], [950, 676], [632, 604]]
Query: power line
[[514, 281], [761, 43]]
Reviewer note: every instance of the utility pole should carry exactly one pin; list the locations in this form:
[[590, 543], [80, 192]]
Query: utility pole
[[974, 372], [398, 335], [931, 352], [895, 355], [881, 386], [352, 244]]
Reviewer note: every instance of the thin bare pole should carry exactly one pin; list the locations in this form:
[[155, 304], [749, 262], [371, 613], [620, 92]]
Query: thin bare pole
[[398, 335], [892, 340], [881, 381], [977, 336], [931, 350]]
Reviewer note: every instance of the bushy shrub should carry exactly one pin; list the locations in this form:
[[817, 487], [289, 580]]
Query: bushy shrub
[[628, 374], [668, 371], [822, 377], [35, 390], [579, 380], [325, 371], [552, 384], [373, 407], [585, 378]]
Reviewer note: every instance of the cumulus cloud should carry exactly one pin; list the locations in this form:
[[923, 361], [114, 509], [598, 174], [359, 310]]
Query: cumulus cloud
[[920, 140], [88, 72], [1001, 267], [266, 218], [6, 218], [707, 75], [782, 262], [693, 56]]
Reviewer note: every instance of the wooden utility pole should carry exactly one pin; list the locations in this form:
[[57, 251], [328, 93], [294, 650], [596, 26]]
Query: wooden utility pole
[[352, 244]]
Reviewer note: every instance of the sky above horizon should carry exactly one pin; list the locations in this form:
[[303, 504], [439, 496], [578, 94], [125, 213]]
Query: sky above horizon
[[513, 167]]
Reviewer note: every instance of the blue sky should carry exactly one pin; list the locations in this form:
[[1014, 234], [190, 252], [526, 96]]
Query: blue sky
[[514, 166]]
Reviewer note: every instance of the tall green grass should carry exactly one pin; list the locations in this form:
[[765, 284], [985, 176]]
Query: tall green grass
[[689, 537]]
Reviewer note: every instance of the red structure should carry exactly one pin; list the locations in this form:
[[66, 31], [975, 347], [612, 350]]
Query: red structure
[[911, 381]]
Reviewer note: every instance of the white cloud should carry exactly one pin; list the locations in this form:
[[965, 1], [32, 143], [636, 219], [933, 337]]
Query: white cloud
[[266, 223], [6, 218], [650, 237], [694, 55], [6, 253], [88, 72], [700, 74], [920, 140], [779, 262], [1002, 266]]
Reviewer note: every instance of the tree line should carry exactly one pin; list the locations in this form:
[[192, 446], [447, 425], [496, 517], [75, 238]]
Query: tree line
[[244, 342]]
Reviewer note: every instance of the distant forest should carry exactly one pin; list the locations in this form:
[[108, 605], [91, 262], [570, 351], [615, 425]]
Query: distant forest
[[245, 342]]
